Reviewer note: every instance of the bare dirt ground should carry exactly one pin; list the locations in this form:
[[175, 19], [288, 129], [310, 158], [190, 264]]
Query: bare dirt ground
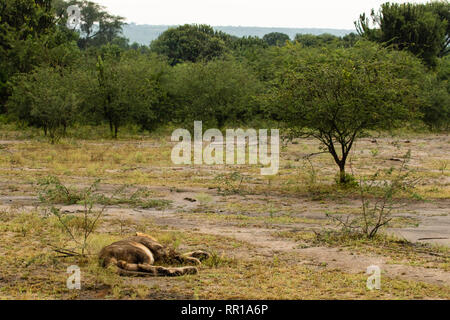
[[434, 225]]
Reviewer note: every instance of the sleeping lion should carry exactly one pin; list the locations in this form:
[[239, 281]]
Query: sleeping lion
[[137, 256]]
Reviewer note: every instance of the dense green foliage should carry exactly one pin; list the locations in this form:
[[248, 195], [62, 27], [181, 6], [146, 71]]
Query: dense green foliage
[[327, 40], [423, 29], [436, 106], [218, 92], [22, 26]]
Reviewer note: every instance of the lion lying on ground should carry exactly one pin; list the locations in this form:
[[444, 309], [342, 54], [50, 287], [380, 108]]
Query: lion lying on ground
[[137, 255]]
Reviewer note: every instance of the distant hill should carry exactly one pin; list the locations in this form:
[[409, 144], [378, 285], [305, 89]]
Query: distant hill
[[144, 33]]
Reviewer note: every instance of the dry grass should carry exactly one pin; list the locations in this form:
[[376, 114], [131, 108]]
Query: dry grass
[[30, 269], [147, 162]]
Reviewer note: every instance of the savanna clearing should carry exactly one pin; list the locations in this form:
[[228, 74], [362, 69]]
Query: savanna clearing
[[272, 237]]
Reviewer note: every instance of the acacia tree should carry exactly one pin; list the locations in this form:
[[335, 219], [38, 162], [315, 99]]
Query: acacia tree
[[335, 96], [191, 43], [97, 27], [47, 98], [276, 39], [130, 90]]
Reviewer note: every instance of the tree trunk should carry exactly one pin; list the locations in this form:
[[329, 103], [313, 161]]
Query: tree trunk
[[342, 175], [340, 161], [111, 129]]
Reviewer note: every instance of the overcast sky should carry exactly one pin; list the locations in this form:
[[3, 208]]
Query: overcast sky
[[338, 14]]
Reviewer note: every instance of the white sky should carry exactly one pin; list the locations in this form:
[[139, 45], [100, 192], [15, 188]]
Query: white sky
[[338, 14]]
